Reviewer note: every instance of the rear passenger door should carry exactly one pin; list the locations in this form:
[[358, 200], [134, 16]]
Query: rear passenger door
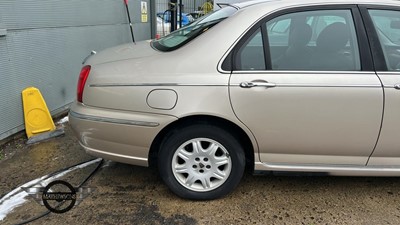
[[384, 32], [312, 96]]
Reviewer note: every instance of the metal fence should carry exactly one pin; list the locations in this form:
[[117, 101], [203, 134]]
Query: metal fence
[[191, 10]]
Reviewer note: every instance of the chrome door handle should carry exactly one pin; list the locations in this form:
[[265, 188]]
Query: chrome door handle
[[397, 86], [265, 84]]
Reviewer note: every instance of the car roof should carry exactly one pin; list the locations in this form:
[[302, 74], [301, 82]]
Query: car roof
[[284, 3]]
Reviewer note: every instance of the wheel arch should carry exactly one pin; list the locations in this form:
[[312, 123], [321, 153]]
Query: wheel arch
[[225, 124]]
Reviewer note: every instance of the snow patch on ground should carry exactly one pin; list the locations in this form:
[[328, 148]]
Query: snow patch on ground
[[63, 120]]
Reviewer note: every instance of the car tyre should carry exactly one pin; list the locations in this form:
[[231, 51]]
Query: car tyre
[[201, 162]]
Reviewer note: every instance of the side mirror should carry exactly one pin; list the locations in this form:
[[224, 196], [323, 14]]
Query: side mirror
[[395, 24]]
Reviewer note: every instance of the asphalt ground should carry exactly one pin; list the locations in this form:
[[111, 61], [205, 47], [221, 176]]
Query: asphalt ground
[[126, 194]]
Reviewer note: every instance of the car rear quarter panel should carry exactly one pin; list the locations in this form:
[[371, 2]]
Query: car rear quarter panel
[[100, 133]]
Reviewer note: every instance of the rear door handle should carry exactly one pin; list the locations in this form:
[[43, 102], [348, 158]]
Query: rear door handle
[[252, 84], [397, 86]]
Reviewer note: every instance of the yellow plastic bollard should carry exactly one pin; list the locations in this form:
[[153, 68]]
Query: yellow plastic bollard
[[36, 114]]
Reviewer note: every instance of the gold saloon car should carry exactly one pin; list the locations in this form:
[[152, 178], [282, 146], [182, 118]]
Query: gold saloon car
[[281, 85]]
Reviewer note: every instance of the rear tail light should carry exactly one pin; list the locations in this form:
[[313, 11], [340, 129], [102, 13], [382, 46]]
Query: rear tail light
[[82, 81]]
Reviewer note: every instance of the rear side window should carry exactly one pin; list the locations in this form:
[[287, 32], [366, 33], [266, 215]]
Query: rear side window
[[322, 40], [318, 40], [387, 25]]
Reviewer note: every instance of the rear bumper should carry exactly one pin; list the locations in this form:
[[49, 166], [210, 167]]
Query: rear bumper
[[116, 135]]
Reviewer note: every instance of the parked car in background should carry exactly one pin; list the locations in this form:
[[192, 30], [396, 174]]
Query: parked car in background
[[293, 86]]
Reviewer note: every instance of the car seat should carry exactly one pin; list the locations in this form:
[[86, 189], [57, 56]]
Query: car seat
[[297, 55], [330, 48]]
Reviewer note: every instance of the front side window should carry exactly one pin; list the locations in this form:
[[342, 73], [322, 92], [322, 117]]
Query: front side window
[[186, 34], [322, 40], [387, 25]]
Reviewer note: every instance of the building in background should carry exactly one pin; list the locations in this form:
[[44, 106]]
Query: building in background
[[43, 43]]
